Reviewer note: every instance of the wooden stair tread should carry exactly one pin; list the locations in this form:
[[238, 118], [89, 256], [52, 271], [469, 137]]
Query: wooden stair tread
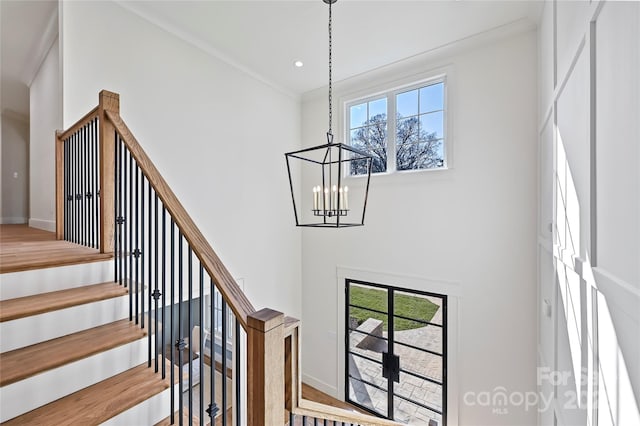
[[47, 302], [26, 362], [23, 248], [100, 402]]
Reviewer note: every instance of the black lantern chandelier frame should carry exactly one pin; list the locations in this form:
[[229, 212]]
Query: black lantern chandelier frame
[[330, 207]]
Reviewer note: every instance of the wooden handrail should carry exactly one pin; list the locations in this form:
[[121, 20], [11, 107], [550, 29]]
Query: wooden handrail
[[78, 124], [228, 287]]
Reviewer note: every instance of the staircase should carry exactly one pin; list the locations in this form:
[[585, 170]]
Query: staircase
[[127, 316], [70, 355]]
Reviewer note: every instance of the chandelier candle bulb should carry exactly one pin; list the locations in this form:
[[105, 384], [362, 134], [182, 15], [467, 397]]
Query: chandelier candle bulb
[[315, 198], [341, 199], [334, 197], [326, 199], [346, 198]]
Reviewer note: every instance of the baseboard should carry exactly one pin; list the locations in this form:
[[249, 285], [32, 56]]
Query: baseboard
[[47, 225], [321, 386], [13, 220]]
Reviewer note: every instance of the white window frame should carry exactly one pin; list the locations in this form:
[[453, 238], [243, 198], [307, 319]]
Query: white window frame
[[390, 91]]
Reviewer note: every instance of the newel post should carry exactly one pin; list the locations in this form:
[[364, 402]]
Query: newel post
[[265, 370], [108, 101], [59, 187]]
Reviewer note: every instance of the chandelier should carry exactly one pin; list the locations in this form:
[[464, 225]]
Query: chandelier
[[328, 202]]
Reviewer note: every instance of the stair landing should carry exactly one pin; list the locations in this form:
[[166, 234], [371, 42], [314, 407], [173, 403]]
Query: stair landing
[[23, 248]]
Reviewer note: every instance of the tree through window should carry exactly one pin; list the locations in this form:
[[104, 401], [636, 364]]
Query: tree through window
[[418, 142]]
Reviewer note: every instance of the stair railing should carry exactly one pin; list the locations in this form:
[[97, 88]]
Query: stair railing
[[109, 195]]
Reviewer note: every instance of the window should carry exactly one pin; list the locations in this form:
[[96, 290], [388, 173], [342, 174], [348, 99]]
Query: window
[[417, 115]]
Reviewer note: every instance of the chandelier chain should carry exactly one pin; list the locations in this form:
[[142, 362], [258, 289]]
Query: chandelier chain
[[330, 70]]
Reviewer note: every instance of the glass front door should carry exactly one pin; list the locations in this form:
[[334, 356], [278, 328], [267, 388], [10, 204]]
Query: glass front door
[[396, 352]]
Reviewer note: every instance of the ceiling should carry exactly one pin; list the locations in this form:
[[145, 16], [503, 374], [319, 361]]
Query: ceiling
[[266, 37]]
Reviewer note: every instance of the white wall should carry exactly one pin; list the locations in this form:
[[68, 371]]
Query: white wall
[[15, 169], [468, 231], [45, 110], [589, 217], [216, 134]]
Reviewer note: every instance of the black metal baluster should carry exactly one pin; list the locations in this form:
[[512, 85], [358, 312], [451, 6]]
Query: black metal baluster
[[202, 346], [85, 183], [237, 368], [156, 292], [73, 188], [149, 266], [71, 196], [123, 214], [92, 189], [290, 418], [224, 362], [164, 286], [130, 254], [180, 342], [171, 322], [65, 145], [116, 210], [190, 319], [120, 216], [127, 221], [83, 215], [142, 253], [78, 189], [96, 183], [79, 195], [213, 409], [136, 250]]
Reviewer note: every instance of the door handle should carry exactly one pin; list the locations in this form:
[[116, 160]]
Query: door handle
[[391, 367]]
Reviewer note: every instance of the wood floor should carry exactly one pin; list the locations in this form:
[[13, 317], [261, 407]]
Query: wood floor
[[23, 248]]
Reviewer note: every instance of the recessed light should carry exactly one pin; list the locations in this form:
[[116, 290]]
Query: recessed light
[[298, 64]]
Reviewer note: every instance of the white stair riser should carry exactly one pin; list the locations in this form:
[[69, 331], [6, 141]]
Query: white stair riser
[[39, 328], [28, 283], [33, 392], [148, 412]]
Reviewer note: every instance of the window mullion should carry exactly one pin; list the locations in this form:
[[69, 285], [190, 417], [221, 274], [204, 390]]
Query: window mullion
[[391, 133]]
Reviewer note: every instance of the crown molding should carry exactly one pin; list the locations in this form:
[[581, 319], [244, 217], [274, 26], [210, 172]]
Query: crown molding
[[40, 50]]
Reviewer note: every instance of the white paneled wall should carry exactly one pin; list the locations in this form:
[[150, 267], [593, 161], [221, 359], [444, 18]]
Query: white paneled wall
[[589, 216]]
